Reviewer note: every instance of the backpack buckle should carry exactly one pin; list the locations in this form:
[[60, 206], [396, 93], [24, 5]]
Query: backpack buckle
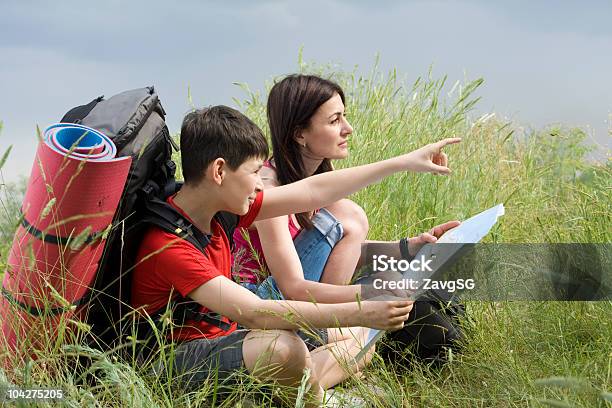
[[150, 188], [171, 166]]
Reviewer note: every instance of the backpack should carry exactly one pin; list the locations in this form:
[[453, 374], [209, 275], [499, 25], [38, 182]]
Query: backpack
[[433, 330], [134, 121]]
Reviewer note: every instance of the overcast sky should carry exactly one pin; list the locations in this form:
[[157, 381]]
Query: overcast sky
[[543, 62]]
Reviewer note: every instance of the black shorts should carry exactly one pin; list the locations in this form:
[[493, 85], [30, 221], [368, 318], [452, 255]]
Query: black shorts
[[220, 359]]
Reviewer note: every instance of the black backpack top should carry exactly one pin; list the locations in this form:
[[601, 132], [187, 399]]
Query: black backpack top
[[134, 120]]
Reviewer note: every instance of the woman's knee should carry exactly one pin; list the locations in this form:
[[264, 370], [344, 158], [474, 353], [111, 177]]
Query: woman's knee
[[352, 217], [354, 340]]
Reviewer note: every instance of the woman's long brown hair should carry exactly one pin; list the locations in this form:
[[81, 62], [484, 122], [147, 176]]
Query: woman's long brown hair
[[291, 104]]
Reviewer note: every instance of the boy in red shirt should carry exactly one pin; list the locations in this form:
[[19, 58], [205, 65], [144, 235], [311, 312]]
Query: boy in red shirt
[[222, 152]]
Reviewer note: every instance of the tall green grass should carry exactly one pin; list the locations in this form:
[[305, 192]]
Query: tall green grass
[[518, 354]]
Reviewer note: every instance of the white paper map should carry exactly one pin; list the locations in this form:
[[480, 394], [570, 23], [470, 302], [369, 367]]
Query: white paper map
[[474, 229], [469, 231]]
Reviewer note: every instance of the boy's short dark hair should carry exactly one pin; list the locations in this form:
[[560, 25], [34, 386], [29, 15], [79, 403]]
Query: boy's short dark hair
[[218, 131]]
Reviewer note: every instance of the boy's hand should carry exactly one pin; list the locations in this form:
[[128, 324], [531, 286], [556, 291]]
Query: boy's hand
[[385, 314], [429, 158]]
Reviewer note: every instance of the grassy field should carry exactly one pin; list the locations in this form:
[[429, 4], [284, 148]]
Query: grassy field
[[517, 354]]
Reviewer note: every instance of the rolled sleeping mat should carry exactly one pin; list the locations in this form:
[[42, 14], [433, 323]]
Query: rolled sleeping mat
[[71, 198]]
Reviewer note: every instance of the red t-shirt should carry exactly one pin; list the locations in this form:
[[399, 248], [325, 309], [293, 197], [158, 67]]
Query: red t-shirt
[[180, 268]]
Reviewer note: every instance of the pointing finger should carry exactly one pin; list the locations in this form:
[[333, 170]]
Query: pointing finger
[[450, 140]]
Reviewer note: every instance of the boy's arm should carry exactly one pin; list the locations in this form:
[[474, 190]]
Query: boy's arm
[[227, 298], [323, 189]]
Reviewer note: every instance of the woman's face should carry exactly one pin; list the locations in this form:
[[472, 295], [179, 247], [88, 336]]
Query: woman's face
[[327, 135]]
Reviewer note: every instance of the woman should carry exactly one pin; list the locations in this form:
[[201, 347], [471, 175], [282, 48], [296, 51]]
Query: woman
[[313, 256]]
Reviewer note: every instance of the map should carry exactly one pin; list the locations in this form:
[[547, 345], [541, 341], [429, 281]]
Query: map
[[470, 231]]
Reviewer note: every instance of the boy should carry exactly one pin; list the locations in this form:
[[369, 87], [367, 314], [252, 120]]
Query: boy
[[222, 152]]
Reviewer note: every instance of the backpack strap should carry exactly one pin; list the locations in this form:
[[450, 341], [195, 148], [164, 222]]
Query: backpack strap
[[164, 216], [228, 222], [75, 115]]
